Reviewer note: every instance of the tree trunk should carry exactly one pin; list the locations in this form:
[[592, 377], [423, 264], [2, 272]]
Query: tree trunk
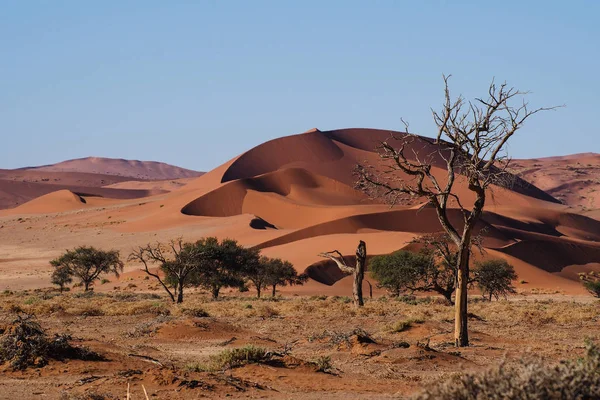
[[215, 292], [274, 291], [86, 286], [359, 273], [180, 293], [448, 296], [461, 333], [258, 291]]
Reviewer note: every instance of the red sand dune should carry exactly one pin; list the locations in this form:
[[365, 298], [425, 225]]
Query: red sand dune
[[94, 176], [574, 179], [293, 197], [146, 170]]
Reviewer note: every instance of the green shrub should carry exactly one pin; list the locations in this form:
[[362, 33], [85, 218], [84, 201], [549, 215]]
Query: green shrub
[[593, 287]]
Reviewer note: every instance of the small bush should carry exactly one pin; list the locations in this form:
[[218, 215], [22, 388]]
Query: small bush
[[405, 325], [593, 287], [323, 364], [267, 311], [25, 344], [87, 311], [195, 312], [232, 358], [104, 281], [532, 380]]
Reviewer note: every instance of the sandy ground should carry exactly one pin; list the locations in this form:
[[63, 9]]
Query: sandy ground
[[126, 325]]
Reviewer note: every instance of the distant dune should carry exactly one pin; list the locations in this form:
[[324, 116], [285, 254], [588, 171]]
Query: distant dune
[[573, 179], [105, 177], [144, 170]]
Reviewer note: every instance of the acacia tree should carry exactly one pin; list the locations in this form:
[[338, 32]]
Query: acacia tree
[[86, 264], [494, 278], [176, 260], [283, 273], [400, 270], [272, 272], [471, 139], [358, 272], [224, 264], [61, 276], [258, 273]]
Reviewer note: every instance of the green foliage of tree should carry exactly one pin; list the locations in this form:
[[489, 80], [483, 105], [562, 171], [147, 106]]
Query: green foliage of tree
[[221, 264], [494, 278], [400, 271], [88, 263], [61, 276], [273, 272]]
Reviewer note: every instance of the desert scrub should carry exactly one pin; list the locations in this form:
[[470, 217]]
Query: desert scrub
[[25, 344], [405, 325], [267, 311], [195, 312], [323, 364], [532, 380], [233, 358]]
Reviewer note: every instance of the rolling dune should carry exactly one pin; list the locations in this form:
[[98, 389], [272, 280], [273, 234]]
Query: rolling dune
[[293, 197]]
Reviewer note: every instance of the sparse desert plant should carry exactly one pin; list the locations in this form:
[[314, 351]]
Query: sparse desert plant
[[404, 325], [532, 380], [87, 264], [25, 344], [323, 364], [195, 312], [494, 278], [237, 357]]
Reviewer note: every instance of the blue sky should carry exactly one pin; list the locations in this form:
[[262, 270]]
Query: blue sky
[[194, 83]]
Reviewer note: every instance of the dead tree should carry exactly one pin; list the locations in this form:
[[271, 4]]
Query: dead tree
[[470, 141], [358, 272]]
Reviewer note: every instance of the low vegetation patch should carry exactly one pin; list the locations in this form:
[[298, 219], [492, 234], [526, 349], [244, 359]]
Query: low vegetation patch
[[405, 325], [233, 358], [195, 312], [25, 344], [533, 380]]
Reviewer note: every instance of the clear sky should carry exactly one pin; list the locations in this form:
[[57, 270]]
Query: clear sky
[[195, 83]]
